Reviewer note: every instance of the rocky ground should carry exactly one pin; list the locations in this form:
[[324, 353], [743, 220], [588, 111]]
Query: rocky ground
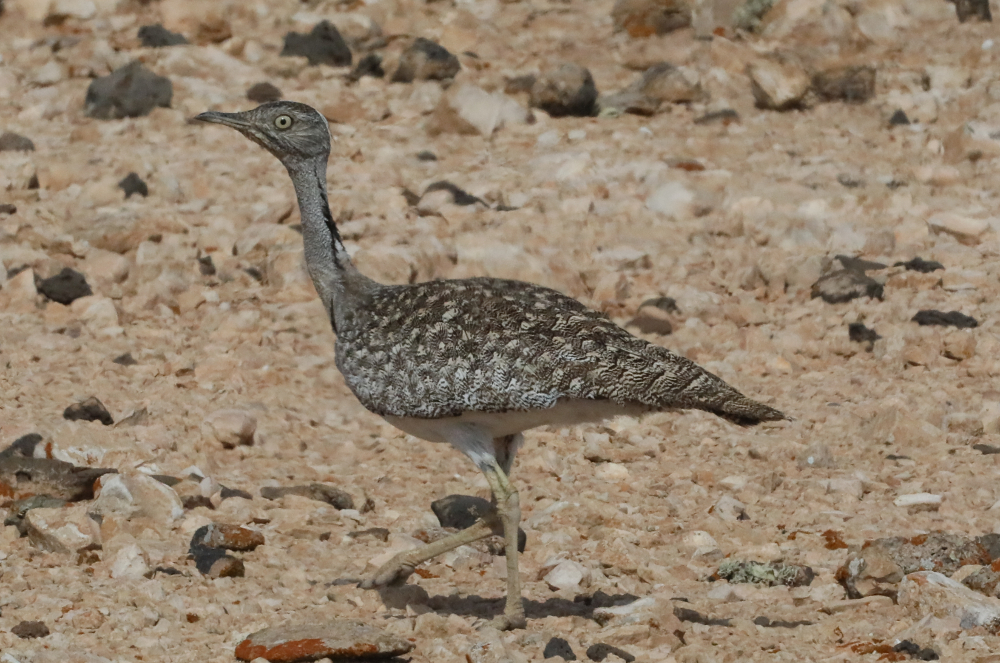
[[157, 326]]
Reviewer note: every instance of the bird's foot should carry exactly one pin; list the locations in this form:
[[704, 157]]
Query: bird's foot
[[392, 573], [510, 621]]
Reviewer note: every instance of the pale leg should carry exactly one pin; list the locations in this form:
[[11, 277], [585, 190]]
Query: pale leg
[[509, 510]]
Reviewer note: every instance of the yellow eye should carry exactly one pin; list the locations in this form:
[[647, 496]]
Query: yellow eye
[[283, 121]]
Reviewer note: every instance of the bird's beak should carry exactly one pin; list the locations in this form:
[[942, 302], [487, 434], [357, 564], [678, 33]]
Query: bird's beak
[[235, 120]]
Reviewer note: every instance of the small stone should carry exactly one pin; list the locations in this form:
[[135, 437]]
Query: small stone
[[369, 65], [335, 639], [726, 116], [918, 264], [125, 360], [899, 119], [425, 60], [959, 345], [845, 285], [645, 18], [673, 200], [456, 194], [323, 45], [779, 85], [91, 409], [567, 574], [730, 509], [157, 36], [600, 651], [918, 502], [29, 630], [216, 563], [128, 560], [949, 319], [558, 647], [65, 287], [662, 83], [233, 428], [129, 91], [854, 85], [469, 110], [612, 472], [23, 477], [566, 90], [133, 184], [462, 512], [426, 155], [316, 491], [136, 495], [23, 446], [859, 333], [770, 574], [225, 536], [62, 530], [12, 142], [933, 593], [653, 319], [973, 9], [965, 229], [263, 92], [18, 510]]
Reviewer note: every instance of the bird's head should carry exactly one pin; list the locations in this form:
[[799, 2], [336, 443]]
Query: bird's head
[[294, 133]]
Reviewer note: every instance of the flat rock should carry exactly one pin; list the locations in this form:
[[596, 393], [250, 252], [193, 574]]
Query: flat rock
[[157, 36], [600, 651], [227, 537], [661, 84], [12, 142], [136, 495], [769, 574], [566, 90], [335, 639], [917, 502], [918, 264], [846, 284], [965, 229], [129, 91], [23, 477], [854, 85], [316, 491], [470, 110], [645, 18], [779, 85], [558, 647], [263, 92], [65, 287], [91, 409], [425, 60], [322, 45], [18, 509], [28, 630], [960, 608], [60, 530], [232, 428], [949, 319]]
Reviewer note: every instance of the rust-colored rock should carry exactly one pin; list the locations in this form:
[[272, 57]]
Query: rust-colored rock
[[341, 639], [645, 18]]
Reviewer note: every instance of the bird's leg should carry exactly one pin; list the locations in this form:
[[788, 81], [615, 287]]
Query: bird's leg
[[509, 510], [399, 568]]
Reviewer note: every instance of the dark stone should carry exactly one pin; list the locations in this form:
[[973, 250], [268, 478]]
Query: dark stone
[[778, 623], [263, 92], [225, 537], [65, 287], [28, 630], [91, 409], [918, 264], [899, 119], [412, 199], [459, 195], [769, 574], [24, 477], [849, 182], [425, 60], [426, 155], [558, 647], [667, 304], [317, 491], [991, 543], [566, 91], [986, 449], [194, 501], [462, 512], [601, 651], [125, 360], [973, 9], [206, 266], [845, 285], [255, 272], [157, 36], [216, 563], [23, 446], [915, 651], [18, 509], [519, 84], [858, 333], [226, 493], [129, 91], [323, 45], [12, 142], [725, 116], [369, 65], [859, 264], [855, 85], [8, 208], [131, 184], [379, 533], [165, 570], [950, 319], [695, 617], [167, 480], [655, 321]]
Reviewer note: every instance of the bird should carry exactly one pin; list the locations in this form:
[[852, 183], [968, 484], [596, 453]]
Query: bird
[[473, 362]]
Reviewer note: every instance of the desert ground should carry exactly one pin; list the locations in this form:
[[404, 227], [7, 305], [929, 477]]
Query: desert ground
[[706, 215]]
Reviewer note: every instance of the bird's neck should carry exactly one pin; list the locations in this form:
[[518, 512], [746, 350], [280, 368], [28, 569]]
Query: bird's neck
[[336, 279]]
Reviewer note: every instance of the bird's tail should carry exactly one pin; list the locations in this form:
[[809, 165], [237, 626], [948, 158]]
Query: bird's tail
[[726, 402]]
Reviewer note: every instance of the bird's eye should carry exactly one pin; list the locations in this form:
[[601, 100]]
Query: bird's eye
[[283, 121]]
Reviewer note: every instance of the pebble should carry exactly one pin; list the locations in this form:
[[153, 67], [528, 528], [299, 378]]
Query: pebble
[[558, 647], [601, 651], [12, 142], [673, 200], [973, 10], [470, 110], [730, 509], [770, 574], [965, 229], [263, 92], [652, 318], [30, 630], [65, 287], [91, 409], [130, 91], [425, 60], [369, 65], [315, 491], [855, 84], [60, 530], [566, 90], [645, 18], [779, 85], [133, 184], [859, 333], [216, 563], [845, 285], [232, 428], [135, 495], [918, 264], [335, 639], [157, 36], [567, 574], [949, 319], [917, 502], [951, 602], [661, 84], [225, 536], [323, 45]]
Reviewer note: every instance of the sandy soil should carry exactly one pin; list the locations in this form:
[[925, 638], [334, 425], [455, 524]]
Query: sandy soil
[[646, 506]]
